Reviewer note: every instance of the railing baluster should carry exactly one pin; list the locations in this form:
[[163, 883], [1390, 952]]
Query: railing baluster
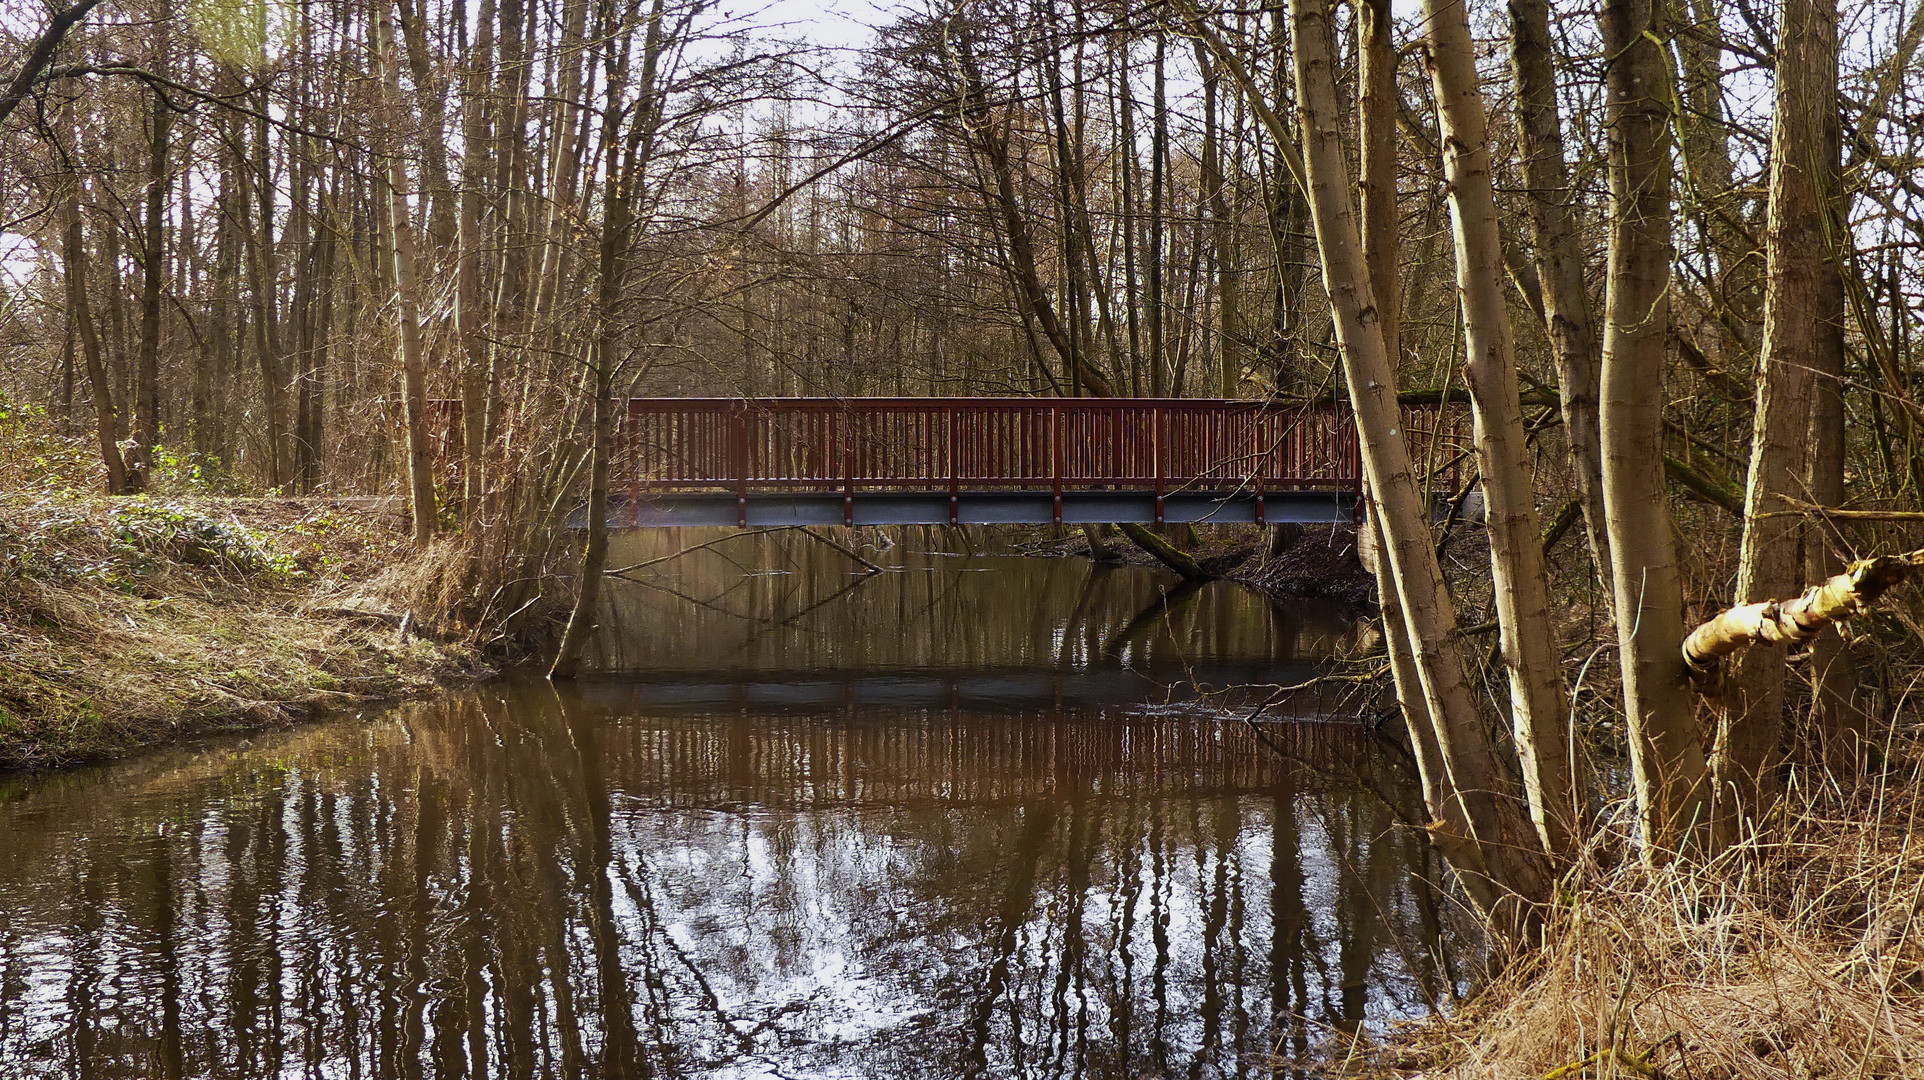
[[955, 481], [837, 446], [741, 466]]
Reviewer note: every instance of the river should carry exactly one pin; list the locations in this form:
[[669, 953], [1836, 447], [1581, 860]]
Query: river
[[976, 816]]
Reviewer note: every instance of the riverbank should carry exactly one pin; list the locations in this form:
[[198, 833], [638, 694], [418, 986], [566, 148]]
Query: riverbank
[[133, 622], [1795, 954]]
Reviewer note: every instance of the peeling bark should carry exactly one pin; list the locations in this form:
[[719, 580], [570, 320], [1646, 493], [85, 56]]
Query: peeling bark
[[1795, 622]]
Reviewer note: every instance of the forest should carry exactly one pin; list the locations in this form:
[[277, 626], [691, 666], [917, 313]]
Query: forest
[[1657, 680]]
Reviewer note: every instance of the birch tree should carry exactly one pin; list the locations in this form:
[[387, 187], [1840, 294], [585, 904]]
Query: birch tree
[[1483, 826], [401, 253]]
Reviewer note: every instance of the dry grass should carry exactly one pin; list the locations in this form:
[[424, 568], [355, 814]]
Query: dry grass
[[126, 623], [1799, 954]]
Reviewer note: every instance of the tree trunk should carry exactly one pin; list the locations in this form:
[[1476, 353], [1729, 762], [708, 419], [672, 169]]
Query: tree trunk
[[471, 314], [991, 137], [1126, 169], [564, 174], [1376, 125], [1165, 552], [153, 263], [432, 94], [264, 282], [106, 423], [1225, 259], [1667, 760], [1382, 252], [594, 557], [1559, 261], [1842, 721], [1528, 639], [401, 251], [623, 167], [1717, 203], [1494, 846], [1799, 251], [1153, 228]]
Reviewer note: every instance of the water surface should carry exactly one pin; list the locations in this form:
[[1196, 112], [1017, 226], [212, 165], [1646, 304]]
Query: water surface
[[825, 846]]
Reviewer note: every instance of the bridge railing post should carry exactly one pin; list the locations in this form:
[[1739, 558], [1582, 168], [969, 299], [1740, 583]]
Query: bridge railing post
[[955, 468], [1056, 451], [1156, 441], [840, 439], [743, 455], [1260, 453], [628, 452]]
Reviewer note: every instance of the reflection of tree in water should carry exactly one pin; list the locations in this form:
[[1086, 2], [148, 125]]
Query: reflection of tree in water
[[811, 609], [529, 886]]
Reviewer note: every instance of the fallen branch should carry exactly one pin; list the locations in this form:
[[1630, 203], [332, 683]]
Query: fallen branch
[[1165, 552], [1705, 487], [1795, 622], [1635, 1064], [1560, 523], [813, 535], [620, 571], [1809, 509], [404, 623]]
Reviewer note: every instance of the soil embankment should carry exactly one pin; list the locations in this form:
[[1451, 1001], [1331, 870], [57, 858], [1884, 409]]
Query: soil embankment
[[132, 622]]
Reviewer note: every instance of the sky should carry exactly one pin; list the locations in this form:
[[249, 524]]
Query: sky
[[842, 24]]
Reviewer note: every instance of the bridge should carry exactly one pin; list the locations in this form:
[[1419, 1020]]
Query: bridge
[[996, 460]]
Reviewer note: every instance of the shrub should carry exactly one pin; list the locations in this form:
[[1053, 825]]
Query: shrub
[[145, 527]]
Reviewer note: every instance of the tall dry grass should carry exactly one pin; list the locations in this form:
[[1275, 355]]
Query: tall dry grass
[[1798, 953]]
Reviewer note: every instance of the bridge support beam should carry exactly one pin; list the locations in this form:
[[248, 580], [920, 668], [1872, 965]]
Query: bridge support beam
[[775, 509]]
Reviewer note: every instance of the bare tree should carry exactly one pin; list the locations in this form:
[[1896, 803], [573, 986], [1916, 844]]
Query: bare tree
[[1667, 760]]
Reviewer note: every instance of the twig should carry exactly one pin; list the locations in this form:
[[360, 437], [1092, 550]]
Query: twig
[[625, 570], [1800, 508], [813, 535]]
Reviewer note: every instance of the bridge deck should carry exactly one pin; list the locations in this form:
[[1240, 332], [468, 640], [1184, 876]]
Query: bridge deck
[[860, 461]]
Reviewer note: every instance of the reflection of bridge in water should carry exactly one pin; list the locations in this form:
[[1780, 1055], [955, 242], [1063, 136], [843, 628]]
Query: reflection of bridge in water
[[523, 881], [913, 739]]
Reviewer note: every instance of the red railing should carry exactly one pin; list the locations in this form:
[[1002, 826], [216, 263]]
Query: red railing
[[847, 445], [932, 444]]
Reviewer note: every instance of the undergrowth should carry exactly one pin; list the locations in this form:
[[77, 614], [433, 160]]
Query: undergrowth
[[128, 622], [1797, 954]]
